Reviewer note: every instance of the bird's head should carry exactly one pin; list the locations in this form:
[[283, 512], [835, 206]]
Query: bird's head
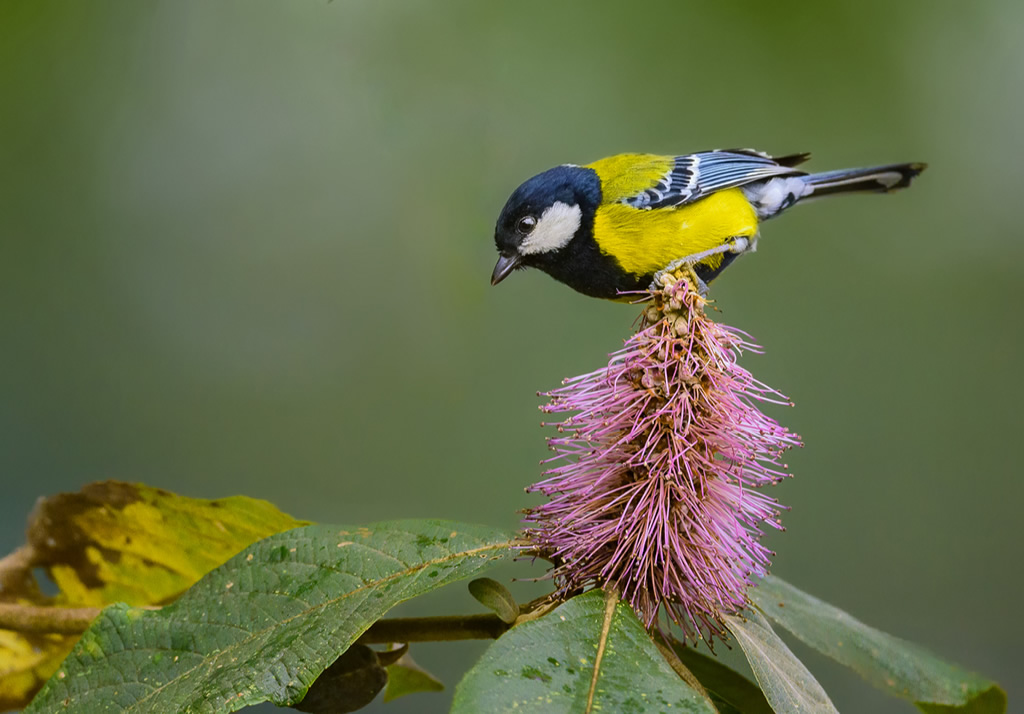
[[542, 217]]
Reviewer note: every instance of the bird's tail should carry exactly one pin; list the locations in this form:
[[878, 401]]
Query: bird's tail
[[881, 179]]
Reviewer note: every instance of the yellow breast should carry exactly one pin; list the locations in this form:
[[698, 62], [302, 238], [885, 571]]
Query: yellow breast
[[644, 242]]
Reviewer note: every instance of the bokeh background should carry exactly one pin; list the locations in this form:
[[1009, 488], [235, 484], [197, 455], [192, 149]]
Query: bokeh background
[[246, 249]]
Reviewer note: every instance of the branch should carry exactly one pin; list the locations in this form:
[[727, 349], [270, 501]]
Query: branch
[[16, 570], [40, 619], [446, 628]]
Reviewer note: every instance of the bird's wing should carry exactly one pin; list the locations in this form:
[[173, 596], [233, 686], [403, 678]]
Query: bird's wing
[[696, 175]]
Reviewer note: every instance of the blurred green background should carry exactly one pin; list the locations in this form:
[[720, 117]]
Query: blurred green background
[[246, 249]]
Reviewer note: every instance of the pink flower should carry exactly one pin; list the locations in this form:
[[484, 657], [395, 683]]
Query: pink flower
[[654, 484]]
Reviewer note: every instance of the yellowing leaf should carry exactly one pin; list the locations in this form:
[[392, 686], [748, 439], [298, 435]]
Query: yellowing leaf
[[119, 542], [26, 662], [116, 542]]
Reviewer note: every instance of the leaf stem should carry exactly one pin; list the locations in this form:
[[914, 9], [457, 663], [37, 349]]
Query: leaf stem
[[677, 665], [611, 600]]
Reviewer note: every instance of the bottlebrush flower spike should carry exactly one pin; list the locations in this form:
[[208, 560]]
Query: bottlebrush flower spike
[[652, 489]]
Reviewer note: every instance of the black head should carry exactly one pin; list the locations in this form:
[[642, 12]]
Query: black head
[[543, 217]]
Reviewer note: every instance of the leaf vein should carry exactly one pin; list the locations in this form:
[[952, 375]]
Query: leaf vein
[[409, 570]]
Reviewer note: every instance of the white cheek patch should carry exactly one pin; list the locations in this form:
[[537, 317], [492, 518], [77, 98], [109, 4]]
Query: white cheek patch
[[554, 229]]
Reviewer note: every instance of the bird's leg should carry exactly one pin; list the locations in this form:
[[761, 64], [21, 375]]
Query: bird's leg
[[738, 245]]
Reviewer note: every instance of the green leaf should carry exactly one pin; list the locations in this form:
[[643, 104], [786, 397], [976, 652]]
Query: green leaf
[[496, 597], [407, 677], [898, 667], [265, 624], [724, 684], [548, 665], [786, 683]]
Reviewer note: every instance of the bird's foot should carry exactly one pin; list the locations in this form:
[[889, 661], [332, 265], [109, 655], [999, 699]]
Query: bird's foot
[[677, 270], [739, 244]]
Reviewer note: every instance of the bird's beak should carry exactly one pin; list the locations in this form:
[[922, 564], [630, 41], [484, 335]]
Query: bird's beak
[[506, 264]]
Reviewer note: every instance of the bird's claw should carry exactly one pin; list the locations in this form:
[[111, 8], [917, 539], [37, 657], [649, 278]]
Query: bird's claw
[[679, 269]]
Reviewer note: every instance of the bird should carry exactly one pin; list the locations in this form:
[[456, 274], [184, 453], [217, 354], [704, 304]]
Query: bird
[[606, 229]]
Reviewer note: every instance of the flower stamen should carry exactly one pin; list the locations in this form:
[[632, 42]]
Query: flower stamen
[[652, 488]]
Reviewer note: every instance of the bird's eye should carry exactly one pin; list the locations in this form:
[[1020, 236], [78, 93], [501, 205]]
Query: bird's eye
[[526, 225]]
